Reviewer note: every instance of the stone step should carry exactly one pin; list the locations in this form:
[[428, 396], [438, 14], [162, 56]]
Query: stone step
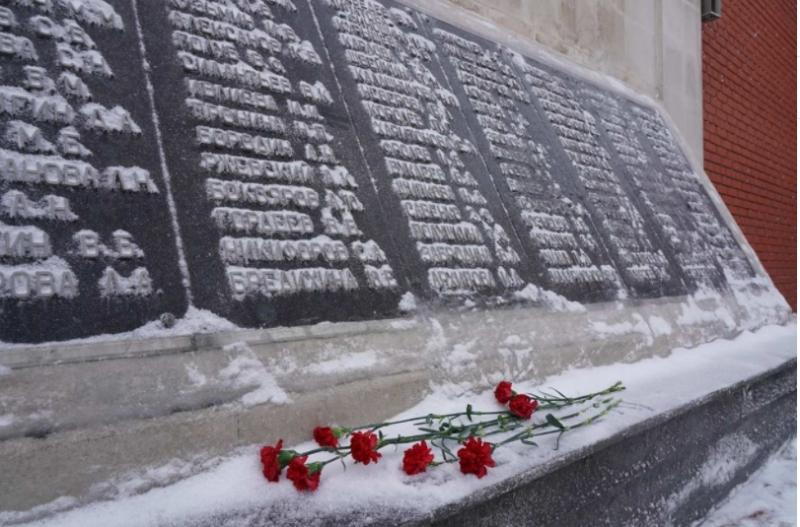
[[670, 470]]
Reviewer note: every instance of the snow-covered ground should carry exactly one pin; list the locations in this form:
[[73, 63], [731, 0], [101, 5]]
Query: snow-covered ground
[[235, 483], [767, 499]]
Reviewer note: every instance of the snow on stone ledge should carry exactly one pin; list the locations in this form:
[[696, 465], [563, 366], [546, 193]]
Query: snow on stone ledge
[[195, 321], [655, 385]]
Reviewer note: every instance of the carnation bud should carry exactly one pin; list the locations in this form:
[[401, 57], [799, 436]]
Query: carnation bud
[[286, 457], [313, 468]]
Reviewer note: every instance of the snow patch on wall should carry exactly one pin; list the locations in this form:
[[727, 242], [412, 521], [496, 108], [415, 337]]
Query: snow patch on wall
[[637, 325], [408, 303], [196, 377], [549, 299], [146, 478], [705, 307], [59, 504], [345, 363], [195, 321], [761, 301], [6, 420], [245, 370], [660, 326], [438, 340]]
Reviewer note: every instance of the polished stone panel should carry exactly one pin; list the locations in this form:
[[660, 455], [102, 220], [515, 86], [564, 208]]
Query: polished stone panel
[[288, 162], [87, 244]]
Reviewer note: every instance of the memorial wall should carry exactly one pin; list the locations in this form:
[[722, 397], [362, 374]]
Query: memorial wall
[[286, 162]]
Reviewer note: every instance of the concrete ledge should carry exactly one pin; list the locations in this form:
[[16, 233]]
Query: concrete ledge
[[698, 421], [668, 470], [661, 472], [101, 410], [91, 462]]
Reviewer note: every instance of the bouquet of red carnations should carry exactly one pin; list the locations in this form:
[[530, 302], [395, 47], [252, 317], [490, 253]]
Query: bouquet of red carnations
[[467, 430]]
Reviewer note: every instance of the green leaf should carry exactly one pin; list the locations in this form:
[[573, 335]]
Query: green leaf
[[553, 421], [469, 412]]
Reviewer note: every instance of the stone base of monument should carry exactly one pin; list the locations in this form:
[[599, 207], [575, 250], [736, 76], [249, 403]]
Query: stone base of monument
[[670, 470], [645, 469], [99, 410]]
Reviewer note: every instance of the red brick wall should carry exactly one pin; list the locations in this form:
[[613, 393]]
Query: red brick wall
[[749, 118]]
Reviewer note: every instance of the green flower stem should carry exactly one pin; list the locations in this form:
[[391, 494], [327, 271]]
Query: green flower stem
[[528, 432], [505, 422], [545, 401], [434, 417], [567, 401], [323, 449], [595, 417], [450, 432]]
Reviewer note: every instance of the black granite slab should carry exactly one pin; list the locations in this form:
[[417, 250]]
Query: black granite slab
[[60, 206], [290, 261], [292, 161], [399, 94], [529, 168]]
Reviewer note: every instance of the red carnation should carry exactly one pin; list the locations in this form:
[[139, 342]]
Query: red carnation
[[523, 406], [475, 456], [326, 437], [270, 462], [417, 458], [362, 447], [503, 393], [304, 477]]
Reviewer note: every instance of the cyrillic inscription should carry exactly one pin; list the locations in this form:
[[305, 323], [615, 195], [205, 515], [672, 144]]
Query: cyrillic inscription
[[642, 265], [284, 209], [83, 213], [557, 226], [411, 114]]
